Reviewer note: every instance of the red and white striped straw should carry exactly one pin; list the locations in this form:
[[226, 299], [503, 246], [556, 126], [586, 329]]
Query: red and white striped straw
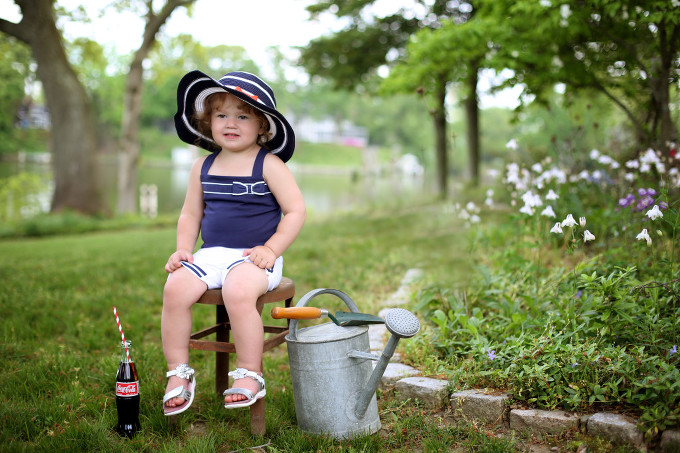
[[122, 335]]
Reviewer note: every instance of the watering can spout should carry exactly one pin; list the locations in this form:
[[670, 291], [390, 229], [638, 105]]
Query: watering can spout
[[401, 324]]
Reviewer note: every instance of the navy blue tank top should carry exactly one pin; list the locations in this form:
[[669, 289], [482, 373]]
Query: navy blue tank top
[[240, 211]]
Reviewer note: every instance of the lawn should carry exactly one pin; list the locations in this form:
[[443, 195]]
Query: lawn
[[556, 316]]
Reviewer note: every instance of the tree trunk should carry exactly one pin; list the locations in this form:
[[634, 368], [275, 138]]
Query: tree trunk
[[472, 114], [72, 138], [660, 87], [128, 158], [439, 119]]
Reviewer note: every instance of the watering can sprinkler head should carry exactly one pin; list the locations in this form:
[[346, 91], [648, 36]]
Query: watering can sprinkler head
[[402, 323]]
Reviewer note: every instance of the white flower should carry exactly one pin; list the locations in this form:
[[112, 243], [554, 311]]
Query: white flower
[[526, 209], [582, 221], [633, 164], [488, 202], [512, 144], [588, 236], [537, 167], [475, 219], [551, 195], [471, 207], [463, 214], [569, 221], [528, 198], [556, 229], [654, 213], [649, 157], [605, 160], [644, 235], [630, 177], [584, 175], [594, 154], [489, 193], [548, 212]]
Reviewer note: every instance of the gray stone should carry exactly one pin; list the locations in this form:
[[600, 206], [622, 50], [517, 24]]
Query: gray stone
[[475, 404], [383, 313], [376, 336], [432, 393], [615, 427], [396, 371], [583, 422], [412, 276], [670, 441], [543, 422], [400, 297]]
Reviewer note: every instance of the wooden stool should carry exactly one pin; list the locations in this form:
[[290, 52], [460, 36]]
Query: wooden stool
[[222, 347]]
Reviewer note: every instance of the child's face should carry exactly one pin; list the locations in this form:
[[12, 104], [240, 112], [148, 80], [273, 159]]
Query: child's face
[[233, 127]]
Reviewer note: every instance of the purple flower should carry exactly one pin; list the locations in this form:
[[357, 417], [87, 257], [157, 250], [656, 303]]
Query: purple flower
[[578, 294], [673, 350], [575, 365], [625, 202], [491, 354], [644, 203]]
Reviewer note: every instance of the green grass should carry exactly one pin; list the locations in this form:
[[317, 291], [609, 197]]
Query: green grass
[[60, 340]]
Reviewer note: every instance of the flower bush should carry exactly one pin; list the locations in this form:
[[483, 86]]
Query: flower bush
[[578, 315]]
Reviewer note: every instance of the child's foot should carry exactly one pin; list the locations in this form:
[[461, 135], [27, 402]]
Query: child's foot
[[248, 388], [173, 383], [246, 383], [180, 391]]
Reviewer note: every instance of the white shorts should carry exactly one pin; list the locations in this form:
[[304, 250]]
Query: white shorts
[[212, 265]]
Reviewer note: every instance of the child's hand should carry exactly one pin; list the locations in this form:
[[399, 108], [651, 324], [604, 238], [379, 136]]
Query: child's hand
[[174, 261], [261, 256]]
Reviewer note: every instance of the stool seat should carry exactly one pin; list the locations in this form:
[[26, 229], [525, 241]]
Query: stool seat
[[222, 347]]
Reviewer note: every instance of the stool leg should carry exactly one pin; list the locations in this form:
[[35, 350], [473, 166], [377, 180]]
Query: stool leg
[[257, 423], [221, 358]]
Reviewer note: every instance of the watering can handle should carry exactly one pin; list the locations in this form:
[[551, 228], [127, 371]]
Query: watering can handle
[[297, 313], [316, 292]]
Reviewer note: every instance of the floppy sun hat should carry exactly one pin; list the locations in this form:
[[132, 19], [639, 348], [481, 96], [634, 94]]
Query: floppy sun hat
[[196, 86]]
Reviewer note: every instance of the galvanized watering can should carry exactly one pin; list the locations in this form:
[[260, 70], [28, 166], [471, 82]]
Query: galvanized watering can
[[334, 382]]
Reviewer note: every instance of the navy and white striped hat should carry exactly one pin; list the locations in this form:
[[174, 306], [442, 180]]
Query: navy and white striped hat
[[196, 86]]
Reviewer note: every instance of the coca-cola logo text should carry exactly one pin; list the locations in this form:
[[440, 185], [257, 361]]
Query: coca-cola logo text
[[127, 388]]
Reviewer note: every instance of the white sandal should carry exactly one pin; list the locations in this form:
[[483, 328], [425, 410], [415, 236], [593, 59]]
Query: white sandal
[[240, 373], [182, 371]]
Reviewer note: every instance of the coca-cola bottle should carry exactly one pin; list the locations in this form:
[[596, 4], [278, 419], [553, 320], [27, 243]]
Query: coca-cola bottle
[[127, 394]]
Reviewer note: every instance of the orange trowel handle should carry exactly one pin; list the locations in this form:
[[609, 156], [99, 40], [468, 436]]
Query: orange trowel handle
[[297, 313]]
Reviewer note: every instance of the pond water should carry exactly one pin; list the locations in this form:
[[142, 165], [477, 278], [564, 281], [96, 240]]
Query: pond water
[[325, 190]]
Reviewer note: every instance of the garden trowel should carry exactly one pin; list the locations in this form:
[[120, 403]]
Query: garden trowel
[[341, 318]]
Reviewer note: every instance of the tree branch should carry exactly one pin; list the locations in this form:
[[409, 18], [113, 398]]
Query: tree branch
[[15, 30]]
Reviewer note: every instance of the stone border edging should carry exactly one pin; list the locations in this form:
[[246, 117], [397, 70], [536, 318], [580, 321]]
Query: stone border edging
[[494, 407]]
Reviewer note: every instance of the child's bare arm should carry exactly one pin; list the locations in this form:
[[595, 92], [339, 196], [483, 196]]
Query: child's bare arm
[[282, 184], [189, 223]]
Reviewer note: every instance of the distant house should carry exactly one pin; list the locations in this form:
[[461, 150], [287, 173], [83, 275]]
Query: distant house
[[32, 116], [329, 131]]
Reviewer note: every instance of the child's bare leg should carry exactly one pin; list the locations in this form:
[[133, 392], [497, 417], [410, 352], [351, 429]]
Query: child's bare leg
[[181, 291], [243, 285]]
